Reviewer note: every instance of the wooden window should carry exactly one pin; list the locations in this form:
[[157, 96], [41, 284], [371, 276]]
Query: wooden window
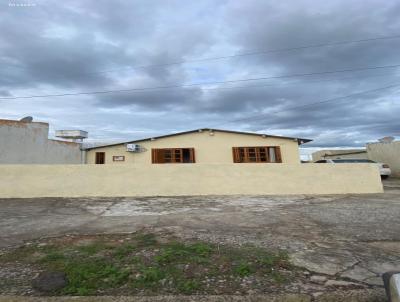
[[172, 156], [257, 154], [119, 158], [100, 158]]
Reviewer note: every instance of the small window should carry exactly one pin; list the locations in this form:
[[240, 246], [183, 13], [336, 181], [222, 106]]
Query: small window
[[119, 158], [321, 161], [173, 156], [257, 155], [100, 158]]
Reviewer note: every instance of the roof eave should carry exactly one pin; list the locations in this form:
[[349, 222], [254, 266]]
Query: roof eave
[[300, 141]]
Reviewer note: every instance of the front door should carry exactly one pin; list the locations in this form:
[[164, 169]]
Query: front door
[[100, 158]]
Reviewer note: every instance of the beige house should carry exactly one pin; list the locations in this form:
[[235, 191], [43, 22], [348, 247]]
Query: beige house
[[201, 146]]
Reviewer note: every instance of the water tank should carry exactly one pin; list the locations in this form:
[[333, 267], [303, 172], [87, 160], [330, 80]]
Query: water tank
[[75, 135]]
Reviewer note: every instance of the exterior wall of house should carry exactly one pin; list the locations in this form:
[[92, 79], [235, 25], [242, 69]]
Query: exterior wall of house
[[216, 148], [388, 153], [28, 143], [27, 181]]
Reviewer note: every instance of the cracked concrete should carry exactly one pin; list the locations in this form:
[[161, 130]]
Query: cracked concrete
[[353, 237]]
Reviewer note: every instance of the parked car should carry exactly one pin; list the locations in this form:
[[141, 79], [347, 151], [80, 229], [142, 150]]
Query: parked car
[[384, 169]]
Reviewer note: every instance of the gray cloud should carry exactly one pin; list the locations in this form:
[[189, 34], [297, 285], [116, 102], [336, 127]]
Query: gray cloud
[[58, 48]]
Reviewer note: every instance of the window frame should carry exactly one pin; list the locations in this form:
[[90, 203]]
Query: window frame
[[175, 156], [260, 154], [115, 158]]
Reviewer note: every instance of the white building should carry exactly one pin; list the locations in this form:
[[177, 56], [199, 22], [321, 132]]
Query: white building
[[27, 142], [386, 152]]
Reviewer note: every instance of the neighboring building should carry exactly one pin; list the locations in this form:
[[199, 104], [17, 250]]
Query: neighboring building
[[27, 142], [201, 146], [340, 154], [386, 152]]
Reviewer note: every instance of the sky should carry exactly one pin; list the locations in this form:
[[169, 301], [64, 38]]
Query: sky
[[59, 47]]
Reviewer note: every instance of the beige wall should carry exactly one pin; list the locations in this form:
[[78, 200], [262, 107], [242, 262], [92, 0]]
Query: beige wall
[[388, 153], [28, 181], [215, 148], [28, 143]]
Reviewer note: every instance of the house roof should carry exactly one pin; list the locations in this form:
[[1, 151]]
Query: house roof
[[299, 140], [18, 123], [344, 152]]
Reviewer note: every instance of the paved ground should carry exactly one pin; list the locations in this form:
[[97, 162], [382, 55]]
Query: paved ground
[[353, 237]]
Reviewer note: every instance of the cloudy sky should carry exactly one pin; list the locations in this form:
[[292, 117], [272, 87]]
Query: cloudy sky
[[58, 47]]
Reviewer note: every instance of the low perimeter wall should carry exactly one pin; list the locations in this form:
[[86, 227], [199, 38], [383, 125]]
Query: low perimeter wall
[[198, 179]]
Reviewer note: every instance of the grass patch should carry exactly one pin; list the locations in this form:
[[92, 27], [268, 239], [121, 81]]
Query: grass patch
[[86, 277], [143, 265], [243, 269], [93, 248], [177, 252], [146, 239], [123, 251], [188, 286], [53, 257], [149, 277]]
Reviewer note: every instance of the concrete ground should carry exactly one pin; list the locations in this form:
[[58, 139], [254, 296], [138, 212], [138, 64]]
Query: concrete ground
[[343, 237]]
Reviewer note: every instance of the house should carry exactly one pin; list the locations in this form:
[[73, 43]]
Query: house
[[27, 142], [340, 154], [201, 146]]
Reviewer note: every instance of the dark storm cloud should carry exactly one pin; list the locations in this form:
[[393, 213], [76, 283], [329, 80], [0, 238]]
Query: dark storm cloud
[[158, 101], [65, 47]]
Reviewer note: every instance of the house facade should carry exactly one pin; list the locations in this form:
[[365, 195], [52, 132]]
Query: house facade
[[206, 146]]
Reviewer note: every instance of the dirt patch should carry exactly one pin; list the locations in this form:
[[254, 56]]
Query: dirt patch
[[154, 264], [145, 264]]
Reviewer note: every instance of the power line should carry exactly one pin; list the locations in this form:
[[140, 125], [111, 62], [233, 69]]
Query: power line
[[257, 52], [249, 53], [262, 115], [197, 84], [297, 82]]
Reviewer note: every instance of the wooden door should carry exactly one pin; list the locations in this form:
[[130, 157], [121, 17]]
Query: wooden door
[[100, 158]]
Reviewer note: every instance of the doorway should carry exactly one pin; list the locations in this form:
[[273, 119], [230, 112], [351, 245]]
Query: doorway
[[100, 158]]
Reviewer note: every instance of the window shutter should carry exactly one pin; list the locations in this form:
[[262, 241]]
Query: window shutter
[[266, 154], [192, 157], [160, 156], [154, 156], [278, 154], [235, 152], [157, 156]]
